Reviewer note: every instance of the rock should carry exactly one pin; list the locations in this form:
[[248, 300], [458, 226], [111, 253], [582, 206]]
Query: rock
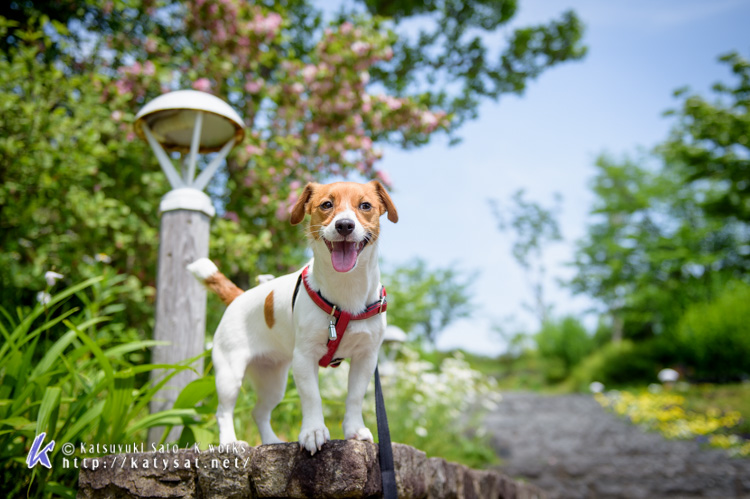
[[342, 469]]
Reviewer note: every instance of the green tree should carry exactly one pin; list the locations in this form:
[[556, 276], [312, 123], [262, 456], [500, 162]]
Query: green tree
[[452, 50], [78, 191], [650, 249], [425, 301], [671, 228], [711, 144]]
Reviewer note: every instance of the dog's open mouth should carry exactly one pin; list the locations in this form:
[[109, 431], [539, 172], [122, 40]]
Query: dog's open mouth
[[344, 253]]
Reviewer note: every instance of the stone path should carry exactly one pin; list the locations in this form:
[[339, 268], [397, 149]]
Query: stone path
[[570, 447]]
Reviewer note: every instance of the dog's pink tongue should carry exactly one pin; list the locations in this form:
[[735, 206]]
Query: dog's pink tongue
[[344, 256]]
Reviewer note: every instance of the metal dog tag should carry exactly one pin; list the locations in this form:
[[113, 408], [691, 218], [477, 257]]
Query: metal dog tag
[[332, 330]]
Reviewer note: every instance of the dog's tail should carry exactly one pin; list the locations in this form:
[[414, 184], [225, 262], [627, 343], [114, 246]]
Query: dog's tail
[[206, 272]]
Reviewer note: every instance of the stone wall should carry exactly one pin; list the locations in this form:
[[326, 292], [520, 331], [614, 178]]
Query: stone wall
[[341, 469]]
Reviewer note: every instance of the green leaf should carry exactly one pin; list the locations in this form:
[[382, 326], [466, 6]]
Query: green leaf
[[48, 411], [16, 422], [194, 392], [81, 422], [52, 355]]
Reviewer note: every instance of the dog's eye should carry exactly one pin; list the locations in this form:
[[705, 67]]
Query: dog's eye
[[327, 205], [365, 206]]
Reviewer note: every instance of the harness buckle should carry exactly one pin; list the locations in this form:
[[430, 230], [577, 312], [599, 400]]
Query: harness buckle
[[332, 325], [382, 301]]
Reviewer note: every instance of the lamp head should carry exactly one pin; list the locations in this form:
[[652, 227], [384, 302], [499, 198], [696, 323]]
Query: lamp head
[[171, 118]]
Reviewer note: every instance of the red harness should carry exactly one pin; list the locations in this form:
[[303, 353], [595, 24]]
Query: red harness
[[339, 318]]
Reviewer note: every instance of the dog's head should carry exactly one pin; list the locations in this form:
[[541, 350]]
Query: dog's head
[[345, 216]]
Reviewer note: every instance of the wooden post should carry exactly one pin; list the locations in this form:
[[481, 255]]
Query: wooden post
[[180, 305]]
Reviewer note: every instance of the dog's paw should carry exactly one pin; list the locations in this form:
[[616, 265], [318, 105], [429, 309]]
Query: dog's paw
[[361, 433], [313, 437]]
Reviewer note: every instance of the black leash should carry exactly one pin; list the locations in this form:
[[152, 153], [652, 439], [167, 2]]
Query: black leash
[[387, 471]]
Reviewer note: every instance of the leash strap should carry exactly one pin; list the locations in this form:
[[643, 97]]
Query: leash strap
[[387, 471]]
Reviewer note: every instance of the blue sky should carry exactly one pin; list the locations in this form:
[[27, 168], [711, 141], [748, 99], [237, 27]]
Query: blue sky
[[547, 140]]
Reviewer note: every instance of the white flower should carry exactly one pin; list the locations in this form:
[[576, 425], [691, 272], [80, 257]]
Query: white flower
[[596, 387], [421, 431], [52, 277], [43, 297], [103, 257]]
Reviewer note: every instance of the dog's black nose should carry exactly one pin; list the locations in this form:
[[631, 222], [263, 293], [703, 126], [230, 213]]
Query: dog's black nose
[[345, 226]]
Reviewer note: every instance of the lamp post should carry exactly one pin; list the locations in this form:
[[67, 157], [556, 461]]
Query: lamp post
[[189, 122]]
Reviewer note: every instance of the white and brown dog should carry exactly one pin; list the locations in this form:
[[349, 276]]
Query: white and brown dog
[[281, 324]]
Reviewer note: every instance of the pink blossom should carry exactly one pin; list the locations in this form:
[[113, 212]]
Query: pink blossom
[[295, 184], [149, 69], [393, 103], [384, 177], [298, 88], [267, 26], [221, 34], [135, 68], [230, 215], [360, 48], [364, 77], [309, 72], [273, 21], [428, 119], [253, 150], [151, 45], [116, 115], [123, 87], [283, 210], [202, 84], [346, 27], [254, 86], [264, 199]]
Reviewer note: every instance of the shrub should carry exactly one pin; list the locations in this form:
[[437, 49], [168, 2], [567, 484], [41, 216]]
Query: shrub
[[562, 344], [714, 336], [617, 364]]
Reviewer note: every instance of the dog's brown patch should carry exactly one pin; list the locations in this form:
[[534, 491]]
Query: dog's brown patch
[[268, 310], [222, 286]]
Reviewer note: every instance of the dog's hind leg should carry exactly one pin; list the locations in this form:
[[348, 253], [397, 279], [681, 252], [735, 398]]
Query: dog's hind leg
[[230, 370], [269, 381]]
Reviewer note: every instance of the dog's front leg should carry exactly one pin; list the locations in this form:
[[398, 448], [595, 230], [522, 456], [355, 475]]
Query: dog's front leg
[[314, 432], [360, 372]]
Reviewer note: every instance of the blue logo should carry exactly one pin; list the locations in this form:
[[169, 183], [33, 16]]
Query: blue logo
[[40, 456]]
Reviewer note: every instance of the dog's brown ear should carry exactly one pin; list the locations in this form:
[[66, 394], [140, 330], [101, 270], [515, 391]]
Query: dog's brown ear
[[299, 210], [386, 200]]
